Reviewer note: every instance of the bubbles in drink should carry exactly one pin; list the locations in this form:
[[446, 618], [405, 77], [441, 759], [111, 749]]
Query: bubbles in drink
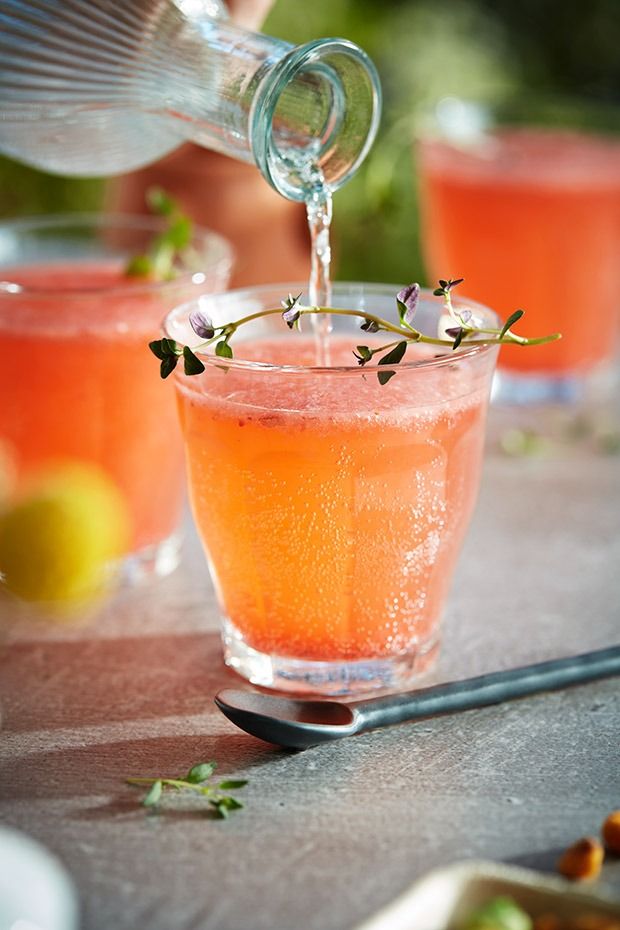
[[344, 501]]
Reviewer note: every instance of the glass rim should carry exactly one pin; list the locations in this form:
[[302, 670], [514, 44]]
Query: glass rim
[[296, 61], [473, 350], [219, 251]]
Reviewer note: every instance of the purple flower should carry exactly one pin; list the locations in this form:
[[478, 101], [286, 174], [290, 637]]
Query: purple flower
[[292, 312], [465, 316], [407, 300], [201, 324]]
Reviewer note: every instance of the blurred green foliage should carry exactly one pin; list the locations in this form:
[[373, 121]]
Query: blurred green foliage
[[424, 49], [25, 191]]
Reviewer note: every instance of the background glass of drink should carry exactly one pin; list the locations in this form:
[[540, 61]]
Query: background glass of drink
[[524, 204], [331, 508], [77, 380]]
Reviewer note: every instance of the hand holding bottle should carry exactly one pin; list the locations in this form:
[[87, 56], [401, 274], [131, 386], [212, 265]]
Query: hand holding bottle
[[249, 13]]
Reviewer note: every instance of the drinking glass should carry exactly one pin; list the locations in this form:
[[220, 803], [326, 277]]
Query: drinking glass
[[331, 508], [77, 381], [523, 202]]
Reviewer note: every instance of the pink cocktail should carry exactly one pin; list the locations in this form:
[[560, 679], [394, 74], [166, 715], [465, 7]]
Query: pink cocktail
[[332, 508], [530, 217], [77, 382]]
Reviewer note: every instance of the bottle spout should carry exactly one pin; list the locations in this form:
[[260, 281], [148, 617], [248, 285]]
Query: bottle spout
[[315, 117]]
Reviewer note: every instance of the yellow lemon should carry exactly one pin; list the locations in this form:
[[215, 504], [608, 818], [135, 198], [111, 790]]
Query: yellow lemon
[[57, 543]]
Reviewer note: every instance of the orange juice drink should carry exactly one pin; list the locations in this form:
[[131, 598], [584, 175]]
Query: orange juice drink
[[531, 218], [77, 383], [332, 508]]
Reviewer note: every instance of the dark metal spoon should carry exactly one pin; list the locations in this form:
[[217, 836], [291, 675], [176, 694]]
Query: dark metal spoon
[[299, 724]]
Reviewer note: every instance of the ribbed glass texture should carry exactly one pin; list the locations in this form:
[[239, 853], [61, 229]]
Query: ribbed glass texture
[[99, 87]]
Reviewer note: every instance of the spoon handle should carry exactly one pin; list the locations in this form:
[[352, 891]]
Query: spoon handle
[[488, 689]]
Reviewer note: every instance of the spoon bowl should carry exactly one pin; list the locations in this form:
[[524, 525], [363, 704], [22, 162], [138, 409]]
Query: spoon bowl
[[290, 723]]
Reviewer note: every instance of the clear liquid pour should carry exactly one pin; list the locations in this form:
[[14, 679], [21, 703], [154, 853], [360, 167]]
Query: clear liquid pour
[[319, 211], [303, 167]]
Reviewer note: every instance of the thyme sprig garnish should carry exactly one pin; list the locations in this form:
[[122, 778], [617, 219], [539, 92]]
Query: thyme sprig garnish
[[195, 781], [456, 327], [158, 264]]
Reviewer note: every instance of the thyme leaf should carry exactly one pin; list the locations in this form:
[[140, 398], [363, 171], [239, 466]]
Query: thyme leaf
[[195, 781], [158, 262]]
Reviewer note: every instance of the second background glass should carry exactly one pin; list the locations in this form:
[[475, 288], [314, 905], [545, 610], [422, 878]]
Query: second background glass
[[523, 201], [78, 383]]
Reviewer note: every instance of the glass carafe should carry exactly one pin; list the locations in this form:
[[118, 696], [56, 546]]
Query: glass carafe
[[100, 87]]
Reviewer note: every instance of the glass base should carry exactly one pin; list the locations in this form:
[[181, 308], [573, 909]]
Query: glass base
[[511, 387], [329, 679], [155, 561]]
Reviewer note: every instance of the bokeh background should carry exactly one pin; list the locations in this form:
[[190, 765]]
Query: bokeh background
[[424, 49]]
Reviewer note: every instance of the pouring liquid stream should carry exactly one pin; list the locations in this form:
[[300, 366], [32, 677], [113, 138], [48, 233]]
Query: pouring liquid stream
[[319, 212]]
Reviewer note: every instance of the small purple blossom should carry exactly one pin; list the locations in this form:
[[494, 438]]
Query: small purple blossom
[[292, 311], [201, 324], [407, 299], [465, 316]]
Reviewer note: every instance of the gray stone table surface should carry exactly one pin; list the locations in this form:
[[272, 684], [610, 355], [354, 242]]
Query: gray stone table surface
[[329, 835]]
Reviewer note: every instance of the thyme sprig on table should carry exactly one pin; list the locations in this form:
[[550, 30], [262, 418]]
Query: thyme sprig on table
[[195, 781], [456, 327]]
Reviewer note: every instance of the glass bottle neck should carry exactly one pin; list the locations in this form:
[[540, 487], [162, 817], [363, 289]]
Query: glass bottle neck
[[306, 116], [102, 88], [315, 117]]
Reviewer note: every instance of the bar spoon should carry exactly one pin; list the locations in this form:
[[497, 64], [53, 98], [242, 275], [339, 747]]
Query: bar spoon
[[300, 724]]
